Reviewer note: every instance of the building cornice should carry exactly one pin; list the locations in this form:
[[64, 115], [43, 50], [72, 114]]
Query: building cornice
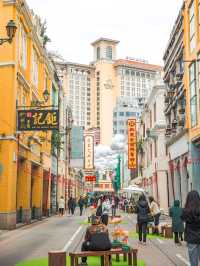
[[175, 138], [9, 2], [7, 64]]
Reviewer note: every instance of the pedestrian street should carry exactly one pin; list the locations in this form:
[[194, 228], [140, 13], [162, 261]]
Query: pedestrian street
[[33, 242]]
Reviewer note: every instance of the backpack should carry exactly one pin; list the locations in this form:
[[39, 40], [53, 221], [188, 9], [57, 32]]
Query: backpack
[[99, 211], [143, 214], [100, 242]]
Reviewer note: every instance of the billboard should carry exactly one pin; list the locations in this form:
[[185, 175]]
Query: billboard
[[132, 144], [89, 153], [34, 120]]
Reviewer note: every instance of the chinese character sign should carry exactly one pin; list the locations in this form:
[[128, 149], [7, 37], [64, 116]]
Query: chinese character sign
[[89, 152], [90, 178], [132, 144], [30, 120]]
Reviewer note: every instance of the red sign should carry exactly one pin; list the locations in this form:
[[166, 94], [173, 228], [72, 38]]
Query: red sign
[[132, 144], [90, 178]]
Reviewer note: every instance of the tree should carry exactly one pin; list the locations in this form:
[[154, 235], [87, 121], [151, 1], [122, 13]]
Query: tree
[[118, 175], [43, 34], [57, 143]]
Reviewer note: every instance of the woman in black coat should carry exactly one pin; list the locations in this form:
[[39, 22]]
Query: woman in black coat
[[191, 217], [143, 211]]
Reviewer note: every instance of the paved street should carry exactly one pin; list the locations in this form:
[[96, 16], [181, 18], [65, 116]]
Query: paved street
[[66, 233]]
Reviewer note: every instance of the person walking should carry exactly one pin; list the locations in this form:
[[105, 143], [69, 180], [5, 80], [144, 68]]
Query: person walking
[[61, 206], [81, 203], [105, 210], [69, 204], [191, 217], [143, 211], [155, 212], [177, 223], [113, 205]]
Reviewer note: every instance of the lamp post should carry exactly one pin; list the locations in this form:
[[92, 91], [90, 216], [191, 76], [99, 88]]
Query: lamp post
[[11, 30]]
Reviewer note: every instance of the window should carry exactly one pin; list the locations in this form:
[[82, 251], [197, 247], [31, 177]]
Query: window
[[193, 94], [155, 148], [150, 114], [199, 71], [121, 113], [154, 112], [109, 52], [192, 27], [35, 68], [23, 52], [199, 11], [98, 53]]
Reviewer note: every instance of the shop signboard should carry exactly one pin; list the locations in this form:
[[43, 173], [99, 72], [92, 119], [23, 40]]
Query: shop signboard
[[90, 178], [88, 153], [132, 144], [34, 120]]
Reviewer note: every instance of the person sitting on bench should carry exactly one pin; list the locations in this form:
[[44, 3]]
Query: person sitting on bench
[[96, 239]]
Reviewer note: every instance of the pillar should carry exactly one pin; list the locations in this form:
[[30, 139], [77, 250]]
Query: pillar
[[24, 190], [8, 179], [37, 190]]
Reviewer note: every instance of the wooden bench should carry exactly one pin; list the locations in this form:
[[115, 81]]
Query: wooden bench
[[104, 255]]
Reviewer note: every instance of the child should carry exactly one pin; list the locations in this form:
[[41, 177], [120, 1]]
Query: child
[[177, 223]]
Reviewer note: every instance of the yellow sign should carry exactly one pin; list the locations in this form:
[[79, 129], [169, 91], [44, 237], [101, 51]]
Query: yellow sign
[[89, 152], [132, 144]]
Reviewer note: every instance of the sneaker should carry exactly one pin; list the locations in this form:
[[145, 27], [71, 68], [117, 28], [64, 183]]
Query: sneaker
[[144, 243], [83, 264]]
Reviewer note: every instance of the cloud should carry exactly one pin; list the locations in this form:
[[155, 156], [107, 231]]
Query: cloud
[[106, 157], [74, 24]]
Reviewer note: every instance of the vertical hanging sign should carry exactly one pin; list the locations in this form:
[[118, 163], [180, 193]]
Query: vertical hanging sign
[[89, 153], [132, 144]]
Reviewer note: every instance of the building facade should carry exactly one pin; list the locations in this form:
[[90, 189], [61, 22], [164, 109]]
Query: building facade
[[94, 89], [152, 157], [78, 82], [126, 108], [192, 85], [26, 160], [175, 113], [32, 177]]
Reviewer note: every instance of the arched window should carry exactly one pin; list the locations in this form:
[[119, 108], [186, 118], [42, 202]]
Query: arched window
[[109, 52], [98, 53]]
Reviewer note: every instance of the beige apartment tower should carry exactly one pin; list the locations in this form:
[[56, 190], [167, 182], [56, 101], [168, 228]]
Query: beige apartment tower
[[92, 90]]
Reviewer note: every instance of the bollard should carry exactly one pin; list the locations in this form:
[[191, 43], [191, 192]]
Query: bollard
[[57, 258]]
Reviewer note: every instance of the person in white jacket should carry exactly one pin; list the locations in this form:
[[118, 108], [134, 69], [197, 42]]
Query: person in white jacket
[[61, 206], [105, 210]]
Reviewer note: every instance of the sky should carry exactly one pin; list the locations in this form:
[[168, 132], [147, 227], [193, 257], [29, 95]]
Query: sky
[[143, 27]]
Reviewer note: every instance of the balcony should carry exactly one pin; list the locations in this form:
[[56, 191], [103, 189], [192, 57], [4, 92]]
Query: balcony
[[151, 133], [181, 122], [181, 111], [168, 131]]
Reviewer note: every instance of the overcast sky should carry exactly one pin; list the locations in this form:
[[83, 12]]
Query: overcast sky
[[142, 26]]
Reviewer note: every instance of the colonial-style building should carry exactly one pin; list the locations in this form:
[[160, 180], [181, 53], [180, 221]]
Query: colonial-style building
[[175, 112], [152, 158]]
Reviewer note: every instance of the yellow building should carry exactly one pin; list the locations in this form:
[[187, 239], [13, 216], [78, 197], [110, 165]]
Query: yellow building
[[25, 160], [192, 85]]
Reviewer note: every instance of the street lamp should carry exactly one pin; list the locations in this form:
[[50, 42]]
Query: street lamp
[[11, 30], [46, 95]]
